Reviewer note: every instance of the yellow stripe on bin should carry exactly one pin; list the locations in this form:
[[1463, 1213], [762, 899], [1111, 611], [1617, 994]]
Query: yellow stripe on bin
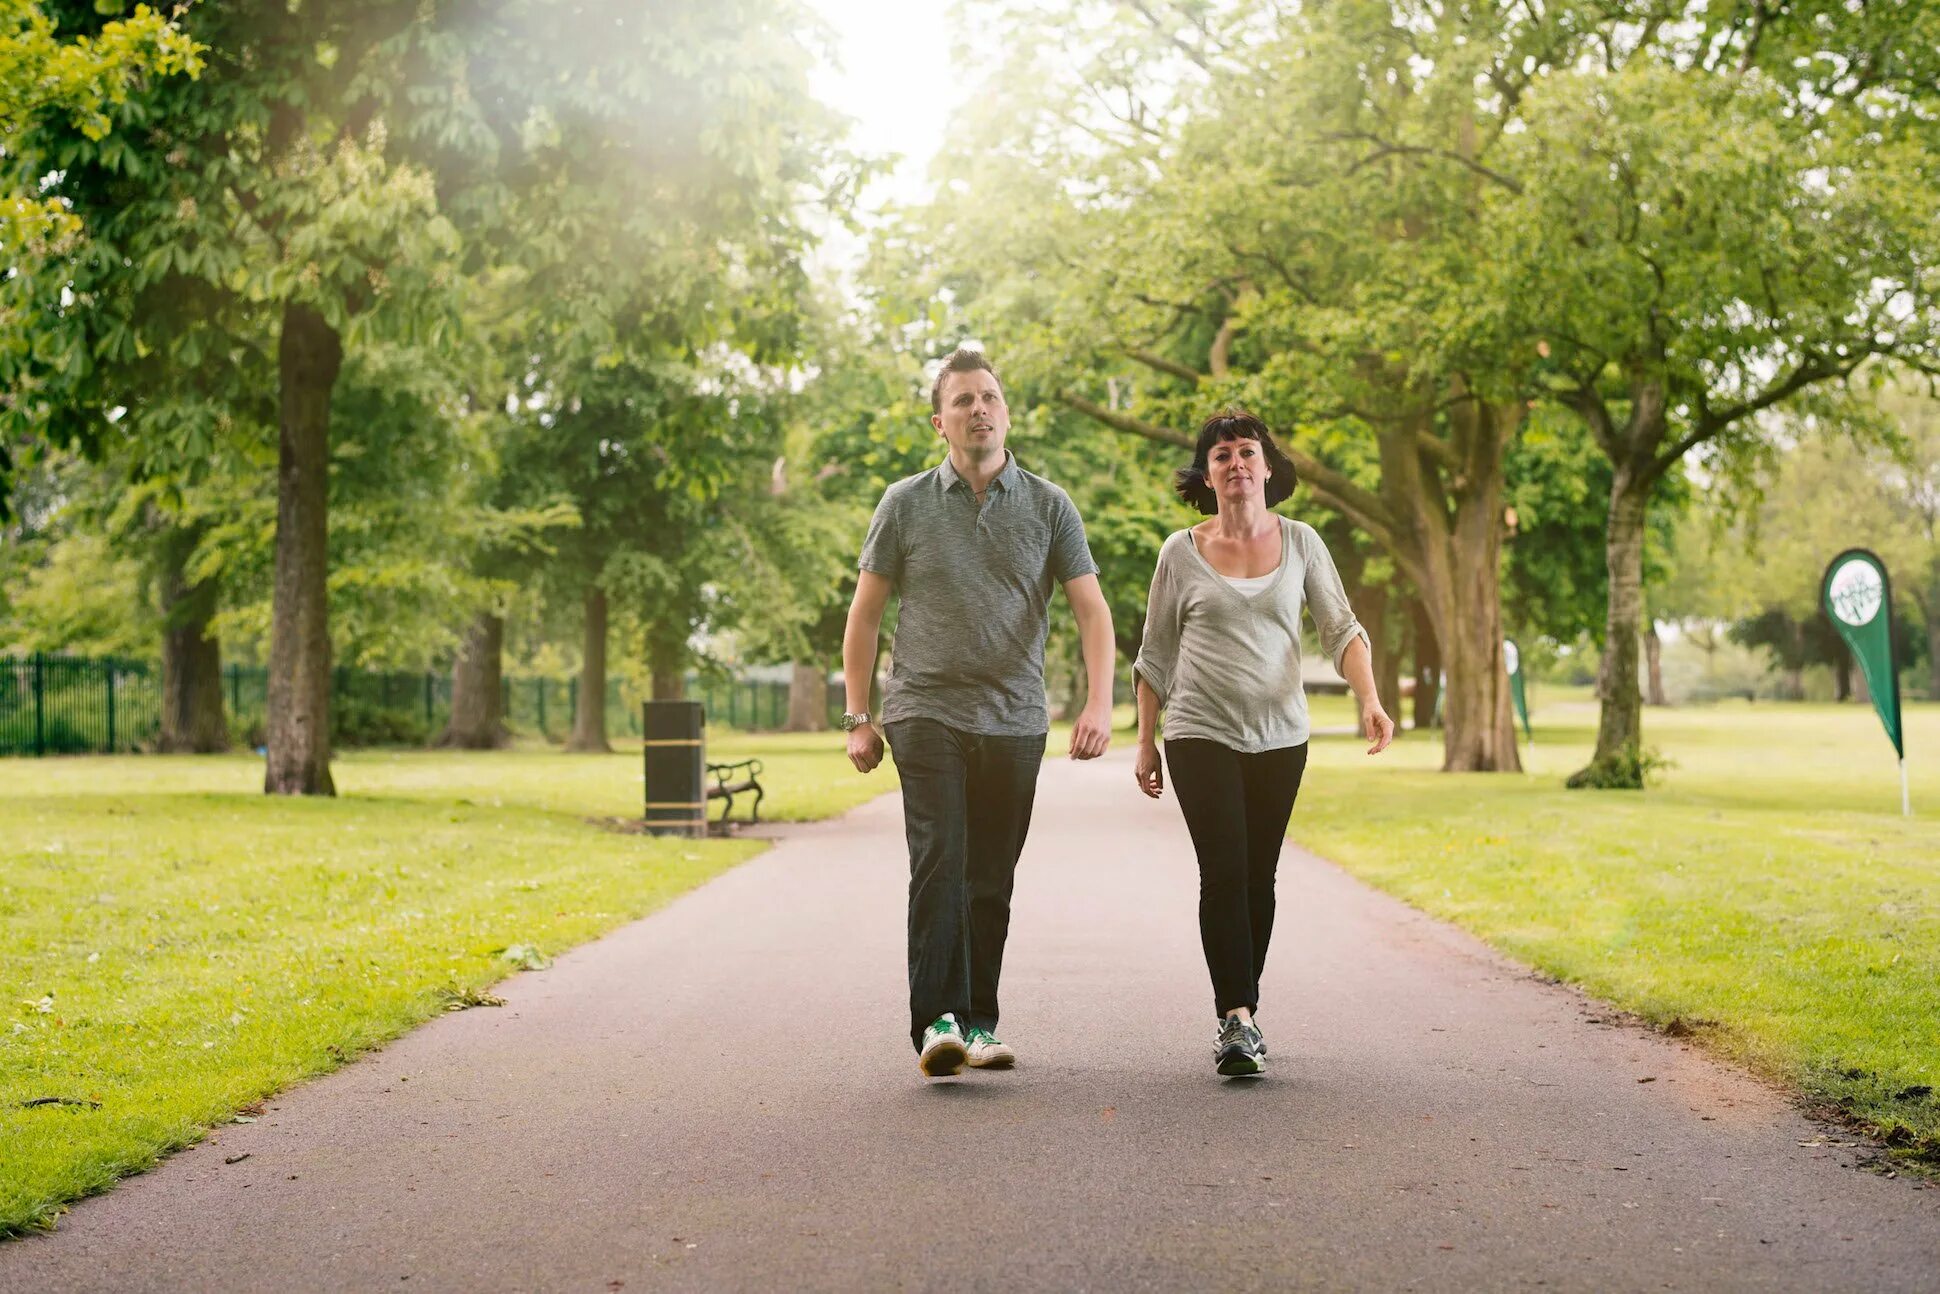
[[674, 741], [676, 804]]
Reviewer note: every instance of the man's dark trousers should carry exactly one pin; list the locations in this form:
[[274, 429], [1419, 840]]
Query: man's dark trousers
[[966, 809]]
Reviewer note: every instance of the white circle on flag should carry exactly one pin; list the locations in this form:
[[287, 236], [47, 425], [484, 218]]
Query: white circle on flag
[[1511, 658], [1856, 591]]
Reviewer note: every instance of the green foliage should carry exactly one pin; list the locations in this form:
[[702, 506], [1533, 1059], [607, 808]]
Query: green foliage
[[1554, 578], [357, 721], [83, 79], [86, 599]]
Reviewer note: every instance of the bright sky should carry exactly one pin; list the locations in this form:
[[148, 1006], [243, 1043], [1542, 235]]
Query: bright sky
[[897, 80]]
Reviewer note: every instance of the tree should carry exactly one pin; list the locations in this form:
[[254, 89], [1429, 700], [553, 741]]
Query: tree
[[261, 201], [660, 235], [1285, 214], [314, 184], [1701, 241]]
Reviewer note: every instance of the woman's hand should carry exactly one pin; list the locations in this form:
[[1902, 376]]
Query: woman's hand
[[1376, 724], [1147, 770]]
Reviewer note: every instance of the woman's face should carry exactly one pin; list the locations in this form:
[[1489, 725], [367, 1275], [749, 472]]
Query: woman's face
[[1236, 469]]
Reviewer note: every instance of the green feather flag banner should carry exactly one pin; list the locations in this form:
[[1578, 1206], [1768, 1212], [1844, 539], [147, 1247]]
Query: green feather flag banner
[[1858, 598]]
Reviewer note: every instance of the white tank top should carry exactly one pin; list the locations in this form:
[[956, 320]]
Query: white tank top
[[1248, 585]]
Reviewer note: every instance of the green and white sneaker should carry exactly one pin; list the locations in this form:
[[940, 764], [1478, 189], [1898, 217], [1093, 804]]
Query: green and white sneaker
[[986, 1052], [943, 1051]]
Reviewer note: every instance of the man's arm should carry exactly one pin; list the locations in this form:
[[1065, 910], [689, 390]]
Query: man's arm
[[859, 664], [1093, 731]]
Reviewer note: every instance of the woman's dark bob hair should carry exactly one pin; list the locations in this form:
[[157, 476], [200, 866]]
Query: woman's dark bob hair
[[1233, 424]]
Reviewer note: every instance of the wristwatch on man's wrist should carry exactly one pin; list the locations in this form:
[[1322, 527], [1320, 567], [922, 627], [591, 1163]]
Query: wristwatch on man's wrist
[[850, 722]]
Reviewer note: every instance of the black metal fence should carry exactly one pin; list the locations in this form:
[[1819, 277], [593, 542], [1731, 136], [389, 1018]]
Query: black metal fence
[[65, 705]]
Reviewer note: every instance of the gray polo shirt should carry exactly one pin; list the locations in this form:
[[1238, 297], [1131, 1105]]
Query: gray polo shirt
[[975, 585]]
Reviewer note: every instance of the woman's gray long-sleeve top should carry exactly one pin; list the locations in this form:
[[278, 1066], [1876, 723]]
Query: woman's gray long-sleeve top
[[1226, 666]]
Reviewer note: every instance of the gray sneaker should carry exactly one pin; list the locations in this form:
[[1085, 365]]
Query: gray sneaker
[[1240, 1051], [944, 1052], [986, 1052]]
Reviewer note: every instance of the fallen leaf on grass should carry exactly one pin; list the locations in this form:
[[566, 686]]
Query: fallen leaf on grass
[[457, 999], [59, 1100]]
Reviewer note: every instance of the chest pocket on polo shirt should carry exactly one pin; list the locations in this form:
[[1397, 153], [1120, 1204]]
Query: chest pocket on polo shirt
[[1019, 548]]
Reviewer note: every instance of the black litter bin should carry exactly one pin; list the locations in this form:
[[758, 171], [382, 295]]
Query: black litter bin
[[676, 800]]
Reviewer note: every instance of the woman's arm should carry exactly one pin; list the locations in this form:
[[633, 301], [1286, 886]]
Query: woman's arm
[[1357, 666], [1147, 770], [1152, 676]]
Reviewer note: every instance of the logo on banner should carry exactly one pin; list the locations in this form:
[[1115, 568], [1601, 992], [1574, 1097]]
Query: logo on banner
[[1856, 591]]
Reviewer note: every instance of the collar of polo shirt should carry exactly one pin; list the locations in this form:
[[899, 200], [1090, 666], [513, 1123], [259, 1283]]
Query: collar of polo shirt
[[1006, 475]]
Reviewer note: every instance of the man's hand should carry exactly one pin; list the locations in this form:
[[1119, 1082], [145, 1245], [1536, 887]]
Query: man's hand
[[1092, 733], [1147, 770], [1376, 724], [865, 748]]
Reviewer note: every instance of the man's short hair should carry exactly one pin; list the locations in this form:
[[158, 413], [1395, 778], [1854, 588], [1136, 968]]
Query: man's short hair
[[960, 360]]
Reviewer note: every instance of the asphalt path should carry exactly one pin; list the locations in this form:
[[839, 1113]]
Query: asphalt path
[[723, 1097]]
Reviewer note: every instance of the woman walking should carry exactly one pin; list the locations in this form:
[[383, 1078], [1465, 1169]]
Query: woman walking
[[1221, 658]]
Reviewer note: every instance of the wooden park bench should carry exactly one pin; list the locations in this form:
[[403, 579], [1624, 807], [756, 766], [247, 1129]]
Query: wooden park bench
[[731, 780]]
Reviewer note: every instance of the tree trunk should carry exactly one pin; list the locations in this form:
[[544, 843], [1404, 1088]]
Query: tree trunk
[[1654, 660], [1862, 692], [1456, 561], [477, 696], [667, 660], [589, 717], [1428, 666], [1841, 674], [309, 356], [1620, 723], [193, 721], [1478, 733], [808, 698]]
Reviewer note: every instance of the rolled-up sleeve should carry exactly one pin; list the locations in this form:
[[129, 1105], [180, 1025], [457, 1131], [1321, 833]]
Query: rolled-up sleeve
[[1327, 603], [1158, 652]]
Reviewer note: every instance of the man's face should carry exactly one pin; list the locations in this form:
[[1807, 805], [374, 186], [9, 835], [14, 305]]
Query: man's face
[[974, 419]]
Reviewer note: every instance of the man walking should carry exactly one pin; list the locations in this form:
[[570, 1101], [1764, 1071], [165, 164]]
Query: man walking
[[972, 548]]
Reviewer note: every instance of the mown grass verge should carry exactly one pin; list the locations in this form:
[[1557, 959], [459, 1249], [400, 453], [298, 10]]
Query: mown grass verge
[[178, 946], [1766, 894]]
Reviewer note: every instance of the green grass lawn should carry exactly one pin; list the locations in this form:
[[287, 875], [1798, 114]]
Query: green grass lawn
[[178, 946], [1765, 892]]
